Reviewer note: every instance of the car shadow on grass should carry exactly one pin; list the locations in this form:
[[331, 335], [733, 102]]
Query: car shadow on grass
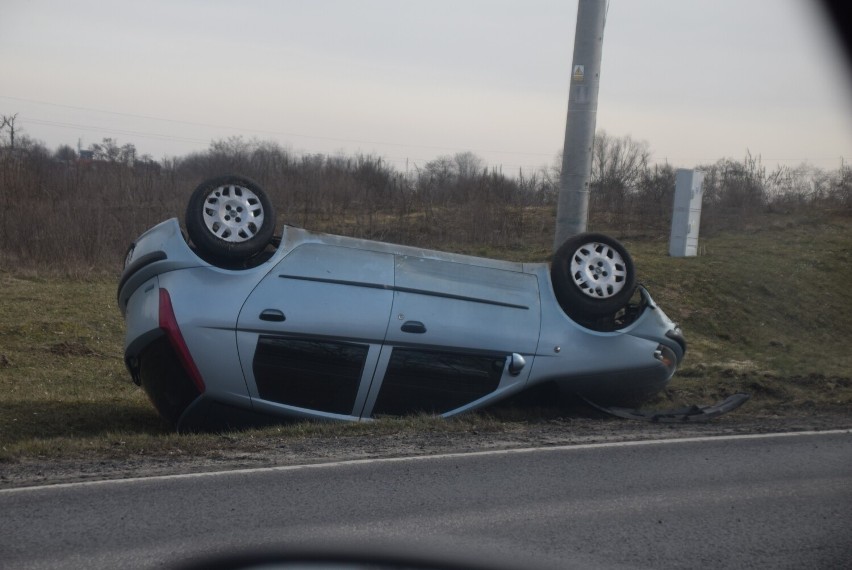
[[27, 420], [544, 402]]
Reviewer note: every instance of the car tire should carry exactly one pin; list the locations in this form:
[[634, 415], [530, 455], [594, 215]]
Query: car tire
[[593, 276], [230, 218]]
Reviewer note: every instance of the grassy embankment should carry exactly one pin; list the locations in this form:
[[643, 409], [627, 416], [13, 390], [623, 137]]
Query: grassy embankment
[[767, 311]]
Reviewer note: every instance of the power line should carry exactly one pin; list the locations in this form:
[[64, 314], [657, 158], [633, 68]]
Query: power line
[[260, 131], [113, 130], [398, 160]]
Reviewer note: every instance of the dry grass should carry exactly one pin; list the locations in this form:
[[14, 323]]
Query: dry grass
[[64, 391], [767, 311]]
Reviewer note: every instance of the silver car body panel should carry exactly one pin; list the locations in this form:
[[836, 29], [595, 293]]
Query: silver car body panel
[[379, 307]]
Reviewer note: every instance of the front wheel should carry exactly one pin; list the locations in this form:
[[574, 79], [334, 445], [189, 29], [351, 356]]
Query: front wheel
[[230, 218], [593, 276]]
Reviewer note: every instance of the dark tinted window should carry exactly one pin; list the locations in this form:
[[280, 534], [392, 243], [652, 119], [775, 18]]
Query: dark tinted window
[[436, 382], [311, 374]]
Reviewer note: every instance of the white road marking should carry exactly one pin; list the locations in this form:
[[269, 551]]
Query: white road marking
[[351, 462]]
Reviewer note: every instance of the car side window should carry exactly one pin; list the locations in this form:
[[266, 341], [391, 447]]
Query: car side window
[[313, 374], [435, 381]]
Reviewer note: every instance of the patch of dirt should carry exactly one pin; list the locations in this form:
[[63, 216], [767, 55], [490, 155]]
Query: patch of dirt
[[67, 348], [243, 453]]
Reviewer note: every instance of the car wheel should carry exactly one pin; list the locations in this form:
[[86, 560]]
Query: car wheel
[[593, 276], [230, 217]]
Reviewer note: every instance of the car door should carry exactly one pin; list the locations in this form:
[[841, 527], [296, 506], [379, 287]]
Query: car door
[[310, 334], [454, 331]]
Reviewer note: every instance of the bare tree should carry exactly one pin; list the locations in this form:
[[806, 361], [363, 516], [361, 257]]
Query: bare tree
[[109, 151], [617, 167], [468, 165], [65, 153], [8, 122], [618, 162]]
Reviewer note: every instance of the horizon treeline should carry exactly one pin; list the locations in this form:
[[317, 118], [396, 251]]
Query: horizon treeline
[[61, 211]]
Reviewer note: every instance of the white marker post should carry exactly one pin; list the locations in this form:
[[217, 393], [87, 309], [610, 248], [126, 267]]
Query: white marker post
[[686, 213]]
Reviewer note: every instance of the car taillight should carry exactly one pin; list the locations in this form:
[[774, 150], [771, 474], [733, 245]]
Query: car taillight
[[169, 324]]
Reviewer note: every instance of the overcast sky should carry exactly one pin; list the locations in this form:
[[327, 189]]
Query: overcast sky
[[413, 79]]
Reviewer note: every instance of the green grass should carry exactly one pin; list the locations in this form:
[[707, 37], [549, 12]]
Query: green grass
[[767, 311], [64, 391], [61, 370]]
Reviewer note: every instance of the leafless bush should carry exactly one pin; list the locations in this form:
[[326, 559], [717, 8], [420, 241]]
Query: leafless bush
[[66, 212]]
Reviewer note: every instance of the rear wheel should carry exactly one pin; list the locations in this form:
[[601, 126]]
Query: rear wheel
[[230, 218], [593, 276]]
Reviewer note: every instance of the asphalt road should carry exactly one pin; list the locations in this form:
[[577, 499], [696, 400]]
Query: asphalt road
[[776, 501]]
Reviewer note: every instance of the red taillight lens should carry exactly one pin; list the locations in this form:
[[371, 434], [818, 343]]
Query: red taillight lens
[[168, 323]]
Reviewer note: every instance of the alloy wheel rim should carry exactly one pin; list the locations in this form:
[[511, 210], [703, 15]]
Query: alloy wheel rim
[[233, 213], [598, 270]]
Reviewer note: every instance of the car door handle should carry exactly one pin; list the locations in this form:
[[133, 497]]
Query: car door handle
[[273, 315], [415, 327], [516, 364]]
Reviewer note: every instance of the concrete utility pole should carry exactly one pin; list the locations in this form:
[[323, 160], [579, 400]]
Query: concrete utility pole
[[573, 208]]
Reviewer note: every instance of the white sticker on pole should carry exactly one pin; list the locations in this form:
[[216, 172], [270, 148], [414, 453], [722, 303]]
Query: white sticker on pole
[[579, 72]]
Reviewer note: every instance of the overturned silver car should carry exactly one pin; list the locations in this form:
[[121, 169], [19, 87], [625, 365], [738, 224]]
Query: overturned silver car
[[236, 326]]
